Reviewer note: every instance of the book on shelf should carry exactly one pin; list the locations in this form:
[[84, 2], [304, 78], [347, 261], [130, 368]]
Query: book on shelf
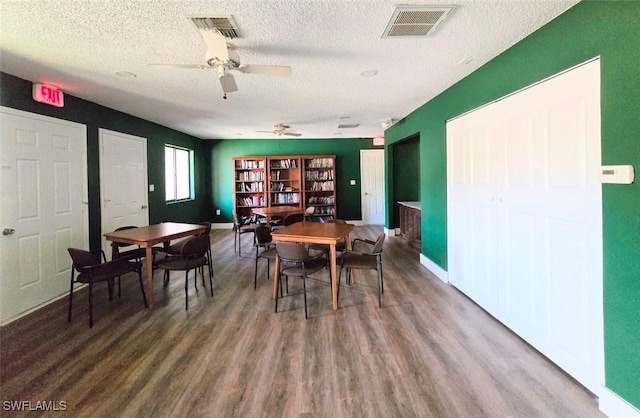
[[320, 163]]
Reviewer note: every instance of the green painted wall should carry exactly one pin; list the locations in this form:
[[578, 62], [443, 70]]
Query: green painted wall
[[347, 152], [406, 182], [610, 30], [16, 93]]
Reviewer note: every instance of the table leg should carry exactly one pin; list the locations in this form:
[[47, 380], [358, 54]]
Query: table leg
[[276, 277], [149, 262], [334, 276]]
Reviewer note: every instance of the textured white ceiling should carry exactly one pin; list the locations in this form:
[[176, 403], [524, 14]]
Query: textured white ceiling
[[80, 45]]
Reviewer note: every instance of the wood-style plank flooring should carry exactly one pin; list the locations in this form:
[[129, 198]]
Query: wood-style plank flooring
[[429, 352]]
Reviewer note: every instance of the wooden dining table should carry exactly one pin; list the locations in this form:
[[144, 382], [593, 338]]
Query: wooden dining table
[[148, 236], [315, 233], [270, 211]]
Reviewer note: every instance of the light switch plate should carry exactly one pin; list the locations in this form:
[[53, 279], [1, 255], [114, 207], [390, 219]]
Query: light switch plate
[[617, 174], [151, 187], [352, 182]]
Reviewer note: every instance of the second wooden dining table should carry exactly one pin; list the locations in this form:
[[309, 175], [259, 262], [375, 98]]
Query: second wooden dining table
[[315, 233], [148, 236]]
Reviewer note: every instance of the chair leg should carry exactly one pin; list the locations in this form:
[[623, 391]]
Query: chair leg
[[304, 286], [70, 296], [166, 278], [268, 268], [211, 276], [280, 285], [186, 289], [90, 304], [144, 294], [255, 270], [380, 283]]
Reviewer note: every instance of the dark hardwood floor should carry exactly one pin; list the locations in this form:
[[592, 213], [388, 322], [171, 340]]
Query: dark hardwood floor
[[429, 352]]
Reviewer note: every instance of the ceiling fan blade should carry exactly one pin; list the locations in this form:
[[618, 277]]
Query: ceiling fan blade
[[216, 44], [265, 132], [276, 70], [197, 66], [228, 83], [291, 134]]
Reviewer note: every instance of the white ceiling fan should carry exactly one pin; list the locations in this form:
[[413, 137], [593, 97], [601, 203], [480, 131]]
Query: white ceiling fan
[[281, 129], [220, 58]]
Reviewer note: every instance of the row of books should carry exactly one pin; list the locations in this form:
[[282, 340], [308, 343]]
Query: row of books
[[283, 164], [285, 198], [319, 175], [250, 176], [324, 210], [249, 187], [250, 201], [249, 164], [320, 163], [321, 200], [320, 186], [323, 219]]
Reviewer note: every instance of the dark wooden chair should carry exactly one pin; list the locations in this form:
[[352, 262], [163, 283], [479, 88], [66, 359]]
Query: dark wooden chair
[[92, 270], [365, 254], [295, 260], [240, 228], [193, 254], [308, 213], [265, 248], [137, 253]]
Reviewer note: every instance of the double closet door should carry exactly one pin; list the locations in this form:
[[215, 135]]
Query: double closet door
[[525, 217]]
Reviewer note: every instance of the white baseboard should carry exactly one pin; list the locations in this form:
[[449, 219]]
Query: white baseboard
[[222, 225], [393, 232], [614, 406], [35, 308], [437, 271]]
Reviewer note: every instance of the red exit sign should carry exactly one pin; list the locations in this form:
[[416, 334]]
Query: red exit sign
[[45, 93]]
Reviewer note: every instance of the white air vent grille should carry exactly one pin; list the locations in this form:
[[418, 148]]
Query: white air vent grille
[[415, 20], [224, 24]]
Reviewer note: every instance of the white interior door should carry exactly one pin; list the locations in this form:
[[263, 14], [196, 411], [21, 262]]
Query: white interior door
[[123, 181], [43, 209], [372, 186], [525, 216]]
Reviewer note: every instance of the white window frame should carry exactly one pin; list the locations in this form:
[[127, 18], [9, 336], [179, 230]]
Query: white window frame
[[172, 187]]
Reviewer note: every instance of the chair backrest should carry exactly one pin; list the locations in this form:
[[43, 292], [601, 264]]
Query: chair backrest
[[122, 244], [82, 258], [377, 248], [310, 210], [291, 252], [293, 218], [263, 235], [195, 247], [207, 225]]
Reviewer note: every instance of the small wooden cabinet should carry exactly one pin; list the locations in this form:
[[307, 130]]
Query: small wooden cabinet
[[411, 223], [301, 181]]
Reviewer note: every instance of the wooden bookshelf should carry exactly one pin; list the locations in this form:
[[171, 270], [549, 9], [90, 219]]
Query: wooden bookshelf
[[298, 180], [284, 181], [250, 184], [319, 186]]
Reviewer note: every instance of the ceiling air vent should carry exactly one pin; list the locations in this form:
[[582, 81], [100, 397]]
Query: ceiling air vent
[[415, 21], [224, 24], [348, 125]]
